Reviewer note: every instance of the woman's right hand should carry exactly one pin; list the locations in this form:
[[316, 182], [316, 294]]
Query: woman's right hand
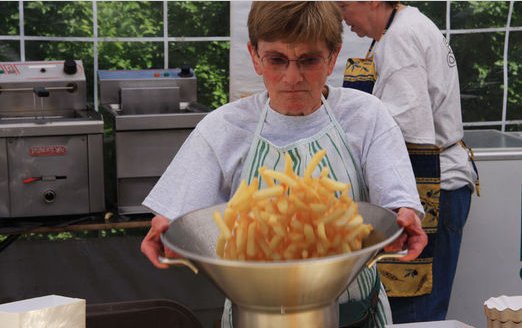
[[152, 246]]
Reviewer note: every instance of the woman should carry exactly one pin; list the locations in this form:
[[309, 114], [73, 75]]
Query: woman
[[294, 46], [417, 80]]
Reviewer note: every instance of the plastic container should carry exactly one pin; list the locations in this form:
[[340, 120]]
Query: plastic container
[[504, 311], [139, 314]]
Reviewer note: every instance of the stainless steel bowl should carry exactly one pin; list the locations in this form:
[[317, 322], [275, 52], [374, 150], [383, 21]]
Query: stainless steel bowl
[[283, 286]]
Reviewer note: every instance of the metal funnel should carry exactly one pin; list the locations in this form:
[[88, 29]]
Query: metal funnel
[[276, 291]]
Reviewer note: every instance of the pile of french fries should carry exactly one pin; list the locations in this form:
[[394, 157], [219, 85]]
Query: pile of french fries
[[291, 218]]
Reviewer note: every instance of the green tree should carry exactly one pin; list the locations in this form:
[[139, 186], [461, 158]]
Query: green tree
[[202, 18], [9, 50], [480, 56], [9, 18]]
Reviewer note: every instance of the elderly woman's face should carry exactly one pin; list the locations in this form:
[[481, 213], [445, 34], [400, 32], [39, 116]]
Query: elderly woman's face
[[294, 74]]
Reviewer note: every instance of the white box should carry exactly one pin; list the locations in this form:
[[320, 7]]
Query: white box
[[44, 312]]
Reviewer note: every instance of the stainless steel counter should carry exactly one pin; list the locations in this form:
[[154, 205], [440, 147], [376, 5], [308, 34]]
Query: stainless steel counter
[[493, 144]]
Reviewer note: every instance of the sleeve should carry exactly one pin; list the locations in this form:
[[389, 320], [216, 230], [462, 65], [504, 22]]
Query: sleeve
[[388, 172], [191, 181]]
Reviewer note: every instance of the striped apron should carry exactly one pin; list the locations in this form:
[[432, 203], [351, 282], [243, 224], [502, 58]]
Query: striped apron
[[342, 167]]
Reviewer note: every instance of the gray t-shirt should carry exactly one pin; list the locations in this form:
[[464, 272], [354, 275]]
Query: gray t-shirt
[[207, 168]]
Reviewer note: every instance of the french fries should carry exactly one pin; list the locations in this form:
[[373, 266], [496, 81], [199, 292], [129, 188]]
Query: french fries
[[292, 218]]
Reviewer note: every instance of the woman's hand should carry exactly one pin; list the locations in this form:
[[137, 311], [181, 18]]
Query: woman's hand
[[152, 246], [413, 237]]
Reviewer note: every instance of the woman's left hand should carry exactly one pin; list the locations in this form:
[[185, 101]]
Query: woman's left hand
[[413, 237]]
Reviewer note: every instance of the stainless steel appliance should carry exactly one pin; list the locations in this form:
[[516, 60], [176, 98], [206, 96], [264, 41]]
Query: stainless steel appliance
[[148, 115], [51, 157], [295, 293]]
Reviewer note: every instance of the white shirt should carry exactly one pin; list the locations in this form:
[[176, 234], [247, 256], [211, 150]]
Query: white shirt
[[207, 168], [417, 79]]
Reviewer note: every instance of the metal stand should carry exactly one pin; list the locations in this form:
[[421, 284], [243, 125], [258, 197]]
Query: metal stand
[[325, 317]]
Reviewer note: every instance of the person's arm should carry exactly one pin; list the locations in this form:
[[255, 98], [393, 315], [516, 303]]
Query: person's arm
[[388, 172], [414, 239], [391, 182], [193, 180]]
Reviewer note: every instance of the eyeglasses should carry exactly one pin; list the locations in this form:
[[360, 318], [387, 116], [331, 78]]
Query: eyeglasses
[[305, 63]]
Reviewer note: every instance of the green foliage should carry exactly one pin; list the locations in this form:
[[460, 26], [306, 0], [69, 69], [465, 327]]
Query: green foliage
[[214, 79], [9, 25], [479, 55], [478, 14], [130, 18], [9, 18], [83, 234], [516, 19], [9, 51], [130, 55], [199, 18], [515, 76], [480, 58], [481, 77], [209, 59], [211, 67], [58, 18]]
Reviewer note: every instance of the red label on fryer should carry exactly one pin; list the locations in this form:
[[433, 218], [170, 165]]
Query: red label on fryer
[[53, 150]]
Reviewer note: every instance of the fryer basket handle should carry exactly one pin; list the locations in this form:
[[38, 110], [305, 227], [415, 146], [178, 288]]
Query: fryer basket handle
[[384, 255], [183, 262]]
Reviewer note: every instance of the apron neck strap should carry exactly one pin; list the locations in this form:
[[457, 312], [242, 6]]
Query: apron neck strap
[[262, 116], [390, 20], [327, 107]]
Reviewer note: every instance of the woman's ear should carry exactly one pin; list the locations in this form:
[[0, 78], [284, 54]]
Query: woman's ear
[[255, 59]]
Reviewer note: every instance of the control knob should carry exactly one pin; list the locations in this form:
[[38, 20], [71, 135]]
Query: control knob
[[185, 71], [70, 67]]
